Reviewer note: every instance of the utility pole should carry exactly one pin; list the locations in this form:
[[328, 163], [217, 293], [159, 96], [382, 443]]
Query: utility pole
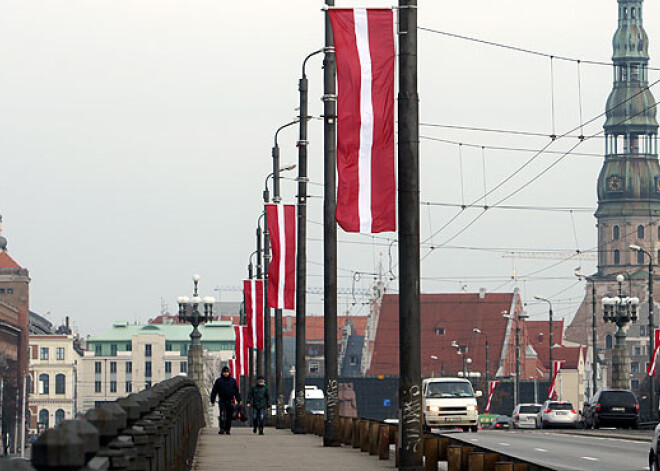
[[516, 392], [410, 375], [267, 330], [260, 353], [23, 416], [594, 352], [654, 406], [331, 419]]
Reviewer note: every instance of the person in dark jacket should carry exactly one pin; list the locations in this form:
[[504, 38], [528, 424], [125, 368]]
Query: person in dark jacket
[[260, 399], [226, 390]]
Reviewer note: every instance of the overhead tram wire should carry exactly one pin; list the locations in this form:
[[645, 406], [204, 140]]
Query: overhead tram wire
[[495, 130]]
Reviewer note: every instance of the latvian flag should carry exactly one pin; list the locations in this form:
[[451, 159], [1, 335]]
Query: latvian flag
[[254, 311], [556, 367], [282, 269], [366, 189], [233, 371], [241, 351], [656, 346], [492, 385]]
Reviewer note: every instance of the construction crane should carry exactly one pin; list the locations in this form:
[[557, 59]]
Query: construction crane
[[310, 290]]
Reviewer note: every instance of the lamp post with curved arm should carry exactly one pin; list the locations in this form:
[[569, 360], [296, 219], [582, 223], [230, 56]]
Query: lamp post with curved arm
[[541, 298]]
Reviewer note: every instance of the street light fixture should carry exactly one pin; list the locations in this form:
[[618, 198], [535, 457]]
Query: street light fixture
[[479, 331], [620, 310], [189, 312], [545, 300], [651, 348]]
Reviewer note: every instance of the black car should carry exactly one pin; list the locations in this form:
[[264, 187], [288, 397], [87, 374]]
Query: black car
[[614, 408], [501, 422]]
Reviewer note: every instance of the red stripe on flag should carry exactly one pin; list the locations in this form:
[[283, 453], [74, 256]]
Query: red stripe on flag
[[282, 269], [241, 350], [366, 189], [254, 312]]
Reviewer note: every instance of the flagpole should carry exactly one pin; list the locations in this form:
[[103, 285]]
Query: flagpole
[[410, 397], [330, 436]]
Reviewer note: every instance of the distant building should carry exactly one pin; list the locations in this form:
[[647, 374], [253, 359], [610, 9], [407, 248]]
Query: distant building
[[54, 363], [39, 325], [132, 357]]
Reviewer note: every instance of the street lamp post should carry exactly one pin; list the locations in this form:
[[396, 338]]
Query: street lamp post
[[189, 312], [479, 331], [620, 310], [653, 408], [521, 317], [434, 358], [594, 339], [461, 350], [541, 298]]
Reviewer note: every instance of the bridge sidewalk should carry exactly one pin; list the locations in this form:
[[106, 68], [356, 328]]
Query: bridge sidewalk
[[277, 449]]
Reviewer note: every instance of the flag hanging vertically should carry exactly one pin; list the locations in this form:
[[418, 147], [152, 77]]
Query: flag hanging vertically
[[254, 312], [366, 189], [491, 390], [282, 269], [656, 346], [233, 371], [240, 350], [556, 367]]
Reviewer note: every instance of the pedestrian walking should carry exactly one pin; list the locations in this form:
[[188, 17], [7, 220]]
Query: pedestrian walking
[[260, 399], [226, 390]]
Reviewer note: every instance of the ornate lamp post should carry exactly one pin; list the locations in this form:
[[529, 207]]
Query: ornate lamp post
[[189, 312], [620, 310]]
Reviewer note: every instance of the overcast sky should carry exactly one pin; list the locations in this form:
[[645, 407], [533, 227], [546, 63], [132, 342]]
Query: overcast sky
[[135, 137]]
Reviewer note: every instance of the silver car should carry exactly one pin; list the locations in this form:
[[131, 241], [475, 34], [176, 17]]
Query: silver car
[[524, 415], [557, 414]]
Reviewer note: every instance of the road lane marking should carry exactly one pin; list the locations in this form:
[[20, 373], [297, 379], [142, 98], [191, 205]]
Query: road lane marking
[[589, 458], [541, 450], [504, 444]]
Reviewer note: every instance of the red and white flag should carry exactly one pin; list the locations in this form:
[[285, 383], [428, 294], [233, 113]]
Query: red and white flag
[[241, 350], [233, 371], [492, 385], [282, 269], [366, 189], [254, 311], [656, 346], [556, 367]]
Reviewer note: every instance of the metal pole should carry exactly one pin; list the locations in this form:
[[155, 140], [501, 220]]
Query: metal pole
[[594, 366], [653, 408], [18, 398], [23, 416], [301, 261], [267, 329], [517, 386], [550, 337], [2, 430], [260, 353], [486, 361], [279, 393], [410, 375], [330, 434]]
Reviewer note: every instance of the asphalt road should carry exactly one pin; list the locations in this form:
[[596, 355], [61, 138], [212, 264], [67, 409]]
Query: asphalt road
[[563, 451]]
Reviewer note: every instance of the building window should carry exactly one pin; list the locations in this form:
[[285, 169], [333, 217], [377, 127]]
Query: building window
[[608, 342], [129, 367], [129, 347], [615, 233], [617, 257], [59, 417], [634, 367], [147, 384], [59, 353], [640, 258], [60, 384], [313, 366], [44, 353], [129, 386], [168, 346], [113, 367], [634, 383], [637, 351], [439, 331], [97, 367], [10, 290], [43, 419], [640, 232], [642, 330], [147, 369], [113, 386], [353, 360], [183, 367], [147, 350], [97, 387], [113, 350], [98, 351], [43, 384], [168, 367]]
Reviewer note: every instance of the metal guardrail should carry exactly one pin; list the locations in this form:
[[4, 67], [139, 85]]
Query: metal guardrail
[[153, 430]]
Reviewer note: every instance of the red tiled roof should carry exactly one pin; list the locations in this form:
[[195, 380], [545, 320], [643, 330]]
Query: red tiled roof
[[571, 355], [538, 338], [457, 314], [6, 261]]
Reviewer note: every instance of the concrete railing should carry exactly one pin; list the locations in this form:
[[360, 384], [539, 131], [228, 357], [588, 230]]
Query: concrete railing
[[153, 430]]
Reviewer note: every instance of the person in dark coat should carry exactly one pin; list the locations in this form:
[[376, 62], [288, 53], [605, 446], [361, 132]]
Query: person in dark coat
[[260, 399], [226, 390]]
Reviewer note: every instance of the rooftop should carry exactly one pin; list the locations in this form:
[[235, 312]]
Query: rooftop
[[211, 332]]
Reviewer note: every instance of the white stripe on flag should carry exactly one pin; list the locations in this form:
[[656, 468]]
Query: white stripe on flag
[[366, 120], [253, 287], [282, 267], [242, 350]]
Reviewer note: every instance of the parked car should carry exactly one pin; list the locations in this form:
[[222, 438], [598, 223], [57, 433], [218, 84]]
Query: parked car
[[654, 459], [557, 414], [612, 407], [524, 415], [314, 401], [449, 403], [501, 422]]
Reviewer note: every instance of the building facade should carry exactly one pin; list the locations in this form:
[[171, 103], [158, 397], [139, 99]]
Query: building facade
[[133, 357], [54, 363], [628, 198]]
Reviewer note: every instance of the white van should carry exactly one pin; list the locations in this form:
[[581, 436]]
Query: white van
[[449, 403], [314, 401]]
